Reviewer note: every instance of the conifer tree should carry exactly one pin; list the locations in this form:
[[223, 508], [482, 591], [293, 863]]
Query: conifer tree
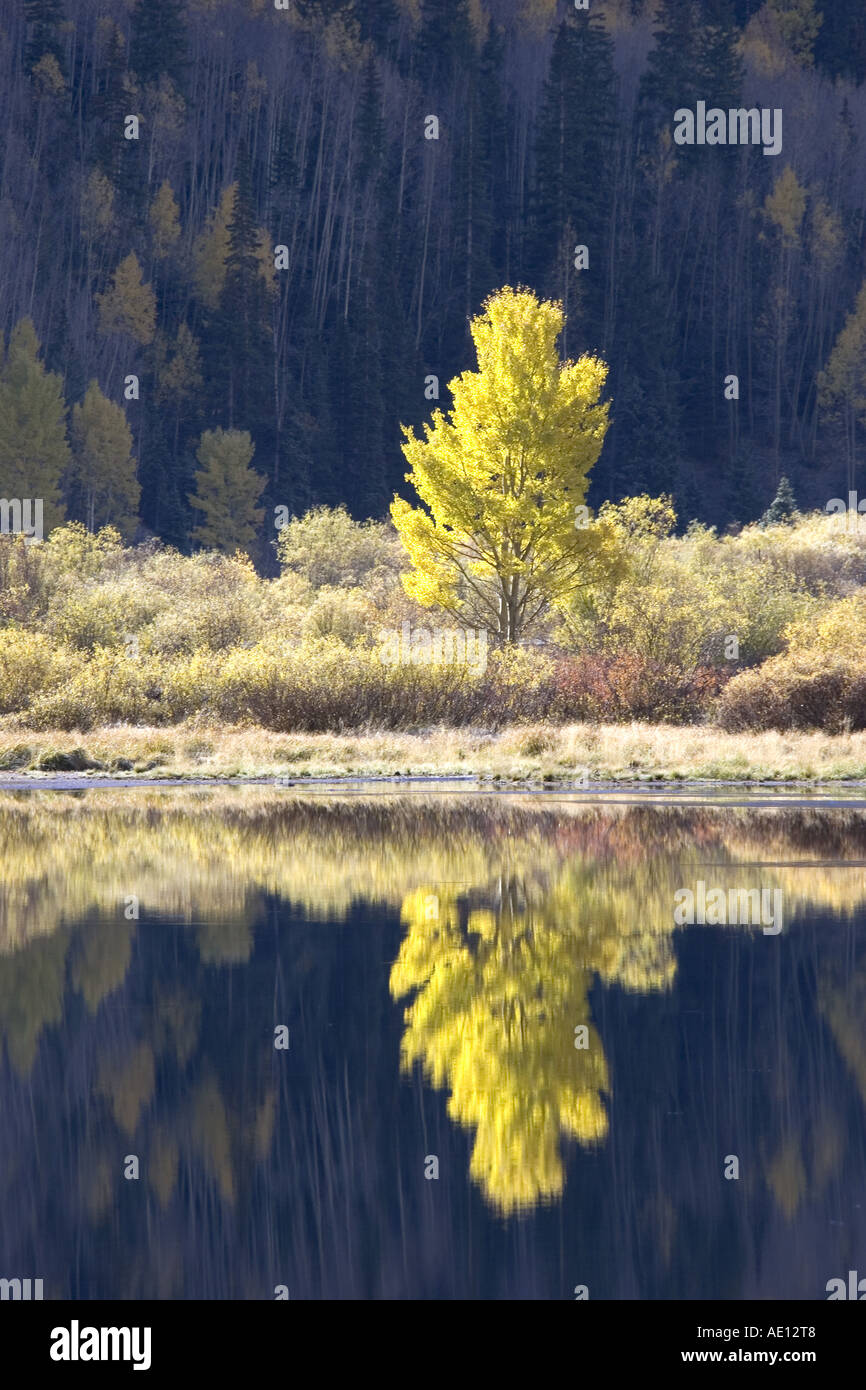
[[371, 133], [119, 159], [227, 491], [842, 384], [43, 19], [672, 78], [158, 41], [644, 441], [445, 41], [575, 156], [720, 64], [128, 305], [694, 58], [376, 19], [783, 506], [33, 448], [840, 46], [103, 482], [742, 501], [239, 338]]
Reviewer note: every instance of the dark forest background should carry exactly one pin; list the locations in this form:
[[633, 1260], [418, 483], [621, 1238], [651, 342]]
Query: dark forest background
[[305, 128]]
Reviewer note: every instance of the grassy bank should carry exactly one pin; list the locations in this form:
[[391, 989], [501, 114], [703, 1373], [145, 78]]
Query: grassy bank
[[629, 752]]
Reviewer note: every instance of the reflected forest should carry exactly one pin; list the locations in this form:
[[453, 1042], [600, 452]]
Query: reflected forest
[[498, 983]]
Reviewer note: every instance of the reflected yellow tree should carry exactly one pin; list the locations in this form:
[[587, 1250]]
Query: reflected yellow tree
[[501, 1015]]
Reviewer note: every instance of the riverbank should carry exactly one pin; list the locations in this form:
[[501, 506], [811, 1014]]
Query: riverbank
[[574, 753]]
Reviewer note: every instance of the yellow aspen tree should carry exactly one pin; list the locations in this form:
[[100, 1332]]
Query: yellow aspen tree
[[501, 531], [97, 205]]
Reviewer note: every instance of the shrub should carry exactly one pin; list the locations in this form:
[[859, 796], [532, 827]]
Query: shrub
[[29, 664], [797, 690], [346, 614], [107, 688], [93, 617], [625, 688], [18, 755], [329, 549], [75, 760]]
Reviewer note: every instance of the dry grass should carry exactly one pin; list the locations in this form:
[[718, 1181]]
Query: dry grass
[[634, 752]]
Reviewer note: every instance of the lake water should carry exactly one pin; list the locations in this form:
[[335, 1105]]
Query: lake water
[[509, 1072]]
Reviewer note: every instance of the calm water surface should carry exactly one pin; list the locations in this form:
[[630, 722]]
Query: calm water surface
[[494, 987]]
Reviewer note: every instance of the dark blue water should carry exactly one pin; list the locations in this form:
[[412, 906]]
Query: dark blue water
[[431, 1130]]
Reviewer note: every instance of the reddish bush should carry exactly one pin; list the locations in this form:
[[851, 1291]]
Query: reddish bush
[[797, 690], [623, 688]]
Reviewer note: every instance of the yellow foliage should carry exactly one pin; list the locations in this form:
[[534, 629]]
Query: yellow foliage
[[501, 476], [47, 76], [30, 663], [179, 377], [129, 1086], [128, 305], [164, 218], [211, 249], [785, 207], [843, 382], [786, 1176]]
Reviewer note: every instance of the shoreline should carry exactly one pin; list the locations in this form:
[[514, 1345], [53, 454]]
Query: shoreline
[[696, 792], [573, 758]]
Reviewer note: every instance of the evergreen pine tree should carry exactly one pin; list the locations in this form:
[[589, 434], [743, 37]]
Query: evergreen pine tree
[[673, 76], [644, 444], [840, 48], [166, 474], [103, 480], [118, 158], [720, 64], [33, 448], [783, 506], [242, 317], [227, 490], [741, 500], [494, 137], [43, 19], [445, 42], [158, 40], [744, 9], [377, 20], [478, 199], [574, 160]]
